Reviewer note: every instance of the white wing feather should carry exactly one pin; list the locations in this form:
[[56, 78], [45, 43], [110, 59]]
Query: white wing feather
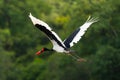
[[36, 21], [83, 28], [77, 37], [55, 44]]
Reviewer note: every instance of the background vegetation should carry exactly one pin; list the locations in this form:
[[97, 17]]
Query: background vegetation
[[19, 40]]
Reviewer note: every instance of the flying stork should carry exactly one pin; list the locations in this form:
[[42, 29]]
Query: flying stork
[[59, 45]]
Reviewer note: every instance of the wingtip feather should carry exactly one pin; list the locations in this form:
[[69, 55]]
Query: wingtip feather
[[89, 18], [92, 19], [30, 14], [33, 19]]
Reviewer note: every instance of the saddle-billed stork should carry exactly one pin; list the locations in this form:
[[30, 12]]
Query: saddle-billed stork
[[58, 45]]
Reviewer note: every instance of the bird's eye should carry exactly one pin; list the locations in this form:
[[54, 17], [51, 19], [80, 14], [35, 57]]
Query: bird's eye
[[42, 49]]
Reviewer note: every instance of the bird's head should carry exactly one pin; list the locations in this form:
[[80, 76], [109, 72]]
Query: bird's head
[[41, 51]]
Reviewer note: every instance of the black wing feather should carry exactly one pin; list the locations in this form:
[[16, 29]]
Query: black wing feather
[[49, 34], [70, 38], [77, 34]]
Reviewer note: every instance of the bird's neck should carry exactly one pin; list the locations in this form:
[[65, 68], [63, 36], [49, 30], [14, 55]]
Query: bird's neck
[[46, 49]]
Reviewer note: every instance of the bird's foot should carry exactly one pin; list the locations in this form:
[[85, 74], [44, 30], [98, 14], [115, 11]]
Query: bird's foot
[[76, 57], [68, 54], [81, 60]]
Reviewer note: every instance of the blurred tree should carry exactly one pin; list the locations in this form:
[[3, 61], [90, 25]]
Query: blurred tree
[[19, 40]]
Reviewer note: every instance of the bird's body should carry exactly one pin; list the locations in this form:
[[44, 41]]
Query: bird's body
[[59, 45]]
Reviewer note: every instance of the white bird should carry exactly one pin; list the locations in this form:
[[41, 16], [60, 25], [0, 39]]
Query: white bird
[[59, 45]]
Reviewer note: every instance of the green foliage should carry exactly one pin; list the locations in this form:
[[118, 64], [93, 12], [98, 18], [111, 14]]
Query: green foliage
[[19, 40]]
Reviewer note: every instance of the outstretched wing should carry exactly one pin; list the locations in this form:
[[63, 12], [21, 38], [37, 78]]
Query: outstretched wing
[[78, 33], [54, 38]]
